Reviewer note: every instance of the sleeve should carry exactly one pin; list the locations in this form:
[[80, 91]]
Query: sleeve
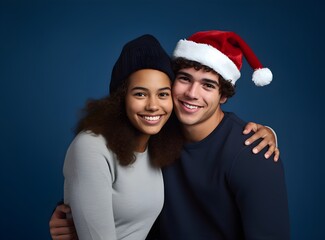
[[88, 188], [260, 193], [276, 137]]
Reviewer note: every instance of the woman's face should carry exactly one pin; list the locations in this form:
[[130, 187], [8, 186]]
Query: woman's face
[[148, 100]]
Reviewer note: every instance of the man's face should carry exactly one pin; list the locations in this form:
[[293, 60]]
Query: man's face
[[197, 99]]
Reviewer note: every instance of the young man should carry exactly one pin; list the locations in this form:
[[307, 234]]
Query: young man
[[219, 189], [204, 198]]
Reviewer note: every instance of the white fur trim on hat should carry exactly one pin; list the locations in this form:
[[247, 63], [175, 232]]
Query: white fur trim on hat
[[262, 76], [209, 56]]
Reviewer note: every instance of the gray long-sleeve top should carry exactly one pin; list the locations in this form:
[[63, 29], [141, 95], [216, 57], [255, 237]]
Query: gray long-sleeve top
[[110, 201]]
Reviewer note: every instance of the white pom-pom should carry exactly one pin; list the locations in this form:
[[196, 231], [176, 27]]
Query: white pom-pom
[[262, 76]]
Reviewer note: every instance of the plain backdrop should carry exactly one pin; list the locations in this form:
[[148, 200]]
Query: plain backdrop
[[54, 55]]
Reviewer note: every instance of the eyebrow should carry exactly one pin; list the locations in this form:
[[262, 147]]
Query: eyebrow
[[210, 81], [146, 89], [206, 80]]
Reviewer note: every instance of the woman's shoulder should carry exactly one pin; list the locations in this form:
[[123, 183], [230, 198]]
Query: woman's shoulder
[[89, 148], [87, 154], [86, 138], [87, 142]]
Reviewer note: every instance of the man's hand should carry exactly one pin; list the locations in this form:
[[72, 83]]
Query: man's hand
[[62, 228]]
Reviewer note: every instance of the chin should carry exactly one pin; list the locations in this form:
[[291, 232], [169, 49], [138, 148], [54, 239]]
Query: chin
[[150, 131], [185, 119]]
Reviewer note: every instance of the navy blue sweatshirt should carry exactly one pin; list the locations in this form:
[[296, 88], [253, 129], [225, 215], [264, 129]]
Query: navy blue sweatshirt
[[219, 189]]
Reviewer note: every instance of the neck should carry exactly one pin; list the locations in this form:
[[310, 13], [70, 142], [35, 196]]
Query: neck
[[197, 132], [142, 143]]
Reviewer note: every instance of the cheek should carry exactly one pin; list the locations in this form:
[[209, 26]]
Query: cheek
[[177, 88], [176, 94], [168, 106], [132, 107], [213, 101]]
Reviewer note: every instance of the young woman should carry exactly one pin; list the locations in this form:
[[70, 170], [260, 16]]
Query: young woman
[[113, 182]]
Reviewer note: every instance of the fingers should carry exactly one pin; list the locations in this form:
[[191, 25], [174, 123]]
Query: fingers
[[62, 228], [61, 211], [272, 149], [250, 127], [276, 155], [61, 223], [262, 145], [59, 227], [65, 237], [268, 140], [254, 137]]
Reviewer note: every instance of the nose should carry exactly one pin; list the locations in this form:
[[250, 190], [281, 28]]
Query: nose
[[152, 104], [192, 91]]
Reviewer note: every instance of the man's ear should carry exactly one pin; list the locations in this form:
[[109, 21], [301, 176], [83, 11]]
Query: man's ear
[[223, 100]]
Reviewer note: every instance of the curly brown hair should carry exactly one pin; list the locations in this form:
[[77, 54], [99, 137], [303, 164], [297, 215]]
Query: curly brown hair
[[107, 116], [226, 89]]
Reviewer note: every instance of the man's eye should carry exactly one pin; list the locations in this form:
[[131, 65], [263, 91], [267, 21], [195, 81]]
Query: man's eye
[[183, 78], [208, 85]]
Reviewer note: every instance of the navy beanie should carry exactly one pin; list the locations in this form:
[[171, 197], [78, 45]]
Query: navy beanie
[[144, 52]]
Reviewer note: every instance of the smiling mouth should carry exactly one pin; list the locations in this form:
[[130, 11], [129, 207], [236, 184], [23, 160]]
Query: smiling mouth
[[189, 106], [151, 118]]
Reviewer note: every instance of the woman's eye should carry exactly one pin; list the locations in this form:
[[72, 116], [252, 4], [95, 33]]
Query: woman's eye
[[139, 94], [164, 94]]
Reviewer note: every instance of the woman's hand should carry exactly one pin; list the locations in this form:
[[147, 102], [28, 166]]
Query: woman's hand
[[269, 138]]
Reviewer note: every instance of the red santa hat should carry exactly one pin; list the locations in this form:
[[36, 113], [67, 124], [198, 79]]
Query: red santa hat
[[222, 51]]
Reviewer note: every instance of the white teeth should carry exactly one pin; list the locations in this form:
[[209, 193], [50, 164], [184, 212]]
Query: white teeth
[[190, 106], [155, 118]]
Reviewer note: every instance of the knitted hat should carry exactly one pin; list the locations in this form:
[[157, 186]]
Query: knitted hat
[[144, 52], [222, 51]]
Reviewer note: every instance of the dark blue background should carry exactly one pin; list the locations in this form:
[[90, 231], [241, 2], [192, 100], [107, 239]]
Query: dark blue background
[[57, 54]]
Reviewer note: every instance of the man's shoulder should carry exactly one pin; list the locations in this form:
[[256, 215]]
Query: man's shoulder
[[233, 144], [234, 127], [234, 120]]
